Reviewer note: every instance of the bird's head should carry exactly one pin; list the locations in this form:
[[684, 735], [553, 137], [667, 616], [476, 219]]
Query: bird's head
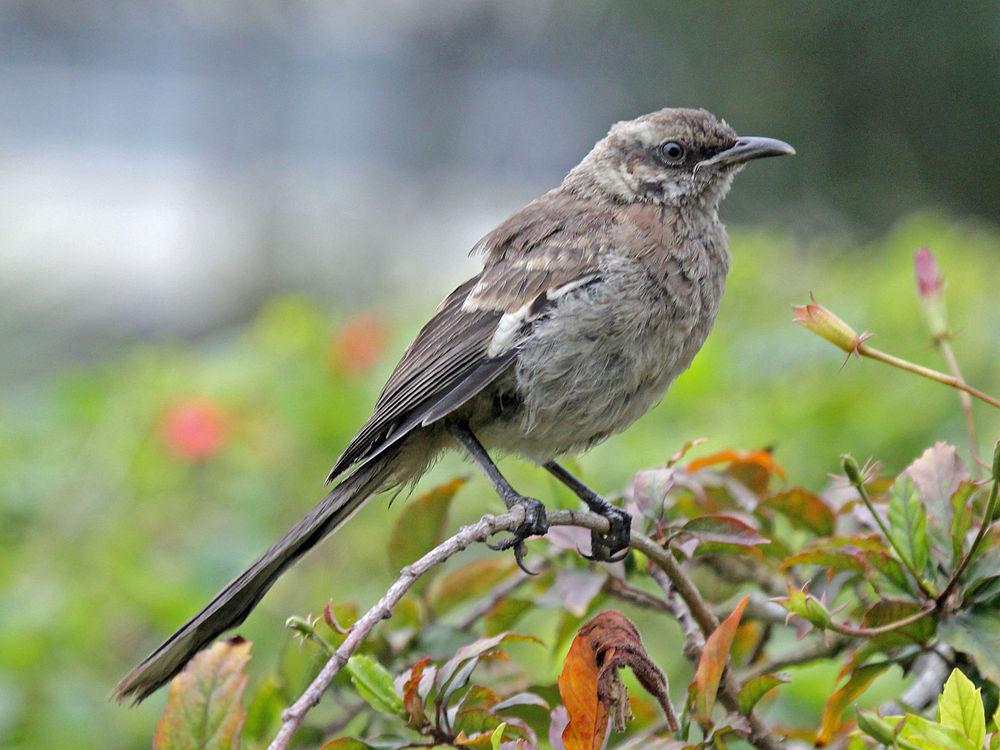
[[674, 157]]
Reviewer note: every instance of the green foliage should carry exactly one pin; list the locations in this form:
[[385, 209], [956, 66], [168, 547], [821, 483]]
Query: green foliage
[[960, 725]]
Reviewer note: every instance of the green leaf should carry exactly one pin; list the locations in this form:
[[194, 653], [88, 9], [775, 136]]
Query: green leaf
[[469, 581], [960, 706], [961, 520], [374, 683], [828, 557], [421, 525], [345, 743], [933, 736], [908, 522], [497, 736], [976, 633], [887, 611], [876, 727], [204, 708], [890, 569], [504, 614], [756, 688]]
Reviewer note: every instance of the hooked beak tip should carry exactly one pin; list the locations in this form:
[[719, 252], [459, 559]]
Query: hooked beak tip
[[747, 149]]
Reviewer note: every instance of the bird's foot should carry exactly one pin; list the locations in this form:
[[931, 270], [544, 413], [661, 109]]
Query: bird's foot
[[613, 545], [535, 523]]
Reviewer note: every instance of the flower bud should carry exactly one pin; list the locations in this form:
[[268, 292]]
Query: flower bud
[[824, 323], [930, 289]]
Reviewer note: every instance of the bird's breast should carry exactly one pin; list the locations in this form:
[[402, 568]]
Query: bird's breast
[[607, 353]]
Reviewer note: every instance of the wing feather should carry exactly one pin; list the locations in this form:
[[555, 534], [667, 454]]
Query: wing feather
[[546, 247]]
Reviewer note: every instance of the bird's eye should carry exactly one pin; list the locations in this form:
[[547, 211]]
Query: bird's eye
[[672, 151]]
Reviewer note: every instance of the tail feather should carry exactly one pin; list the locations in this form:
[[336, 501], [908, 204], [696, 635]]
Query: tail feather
[[231, 606]]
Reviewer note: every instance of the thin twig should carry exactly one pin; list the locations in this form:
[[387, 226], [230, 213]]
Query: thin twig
[[823, 649], [480, 531], [854, 475], [989, 514], [944, 346], [634, 595], [860, 632], [873, 353], [499, 592]]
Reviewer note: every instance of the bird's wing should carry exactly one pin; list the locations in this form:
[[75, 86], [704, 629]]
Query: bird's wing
[[532, 259]]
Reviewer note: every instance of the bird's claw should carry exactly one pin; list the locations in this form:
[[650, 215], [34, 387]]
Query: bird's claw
[[535, 523], [612, 546]]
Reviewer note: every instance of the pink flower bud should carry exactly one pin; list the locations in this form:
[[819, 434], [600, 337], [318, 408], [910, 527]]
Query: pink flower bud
[[929, 280], [930, 287]]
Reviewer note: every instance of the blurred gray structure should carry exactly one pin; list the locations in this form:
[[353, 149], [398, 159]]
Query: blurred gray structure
[[164, 165]]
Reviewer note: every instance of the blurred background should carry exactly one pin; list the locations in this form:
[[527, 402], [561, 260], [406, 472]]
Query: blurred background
[[221, 222]]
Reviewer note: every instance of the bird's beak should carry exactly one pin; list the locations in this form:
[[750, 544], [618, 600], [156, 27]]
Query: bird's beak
[[748, 148]]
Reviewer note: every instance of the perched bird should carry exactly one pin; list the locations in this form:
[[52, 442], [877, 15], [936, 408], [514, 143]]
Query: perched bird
[[592, 299]]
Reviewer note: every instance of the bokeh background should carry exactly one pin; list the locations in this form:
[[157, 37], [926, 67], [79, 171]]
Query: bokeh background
[[221, 222]]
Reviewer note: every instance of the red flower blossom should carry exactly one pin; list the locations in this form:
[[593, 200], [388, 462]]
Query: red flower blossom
[[194, 429], [358, 345]]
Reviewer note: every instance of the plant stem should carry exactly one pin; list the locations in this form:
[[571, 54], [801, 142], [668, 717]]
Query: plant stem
[[854, 474], [988, 515], [902, 364], [944, 345], [858, 632]]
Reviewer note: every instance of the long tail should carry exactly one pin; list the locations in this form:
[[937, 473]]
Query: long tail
[[231, 606]]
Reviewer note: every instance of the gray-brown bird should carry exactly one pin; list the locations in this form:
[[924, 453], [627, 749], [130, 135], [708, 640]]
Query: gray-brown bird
[[592, 299]]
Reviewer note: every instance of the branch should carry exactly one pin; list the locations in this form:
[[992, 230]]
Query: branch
[[480, 531], [823, 649]]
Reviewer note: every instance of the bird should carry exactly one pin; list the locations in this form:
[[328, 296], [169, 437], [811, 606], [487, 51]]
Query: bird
[[591, 300]]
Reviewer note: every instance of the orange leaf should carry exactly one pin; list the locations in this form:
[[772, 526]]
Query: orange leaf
[[412, 701], [588, 716], [713, 661], [761, 458], [841, 698], [205, 703]]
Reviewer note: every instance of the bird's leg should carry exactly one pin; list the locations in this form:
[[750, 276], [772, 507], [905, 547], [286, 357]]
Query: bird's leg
[[536, 522], [603, 547]]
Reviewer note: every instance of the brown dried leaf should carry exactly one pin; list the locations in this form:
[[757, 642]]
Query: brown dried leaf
[[591, 687], [204, 708]]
